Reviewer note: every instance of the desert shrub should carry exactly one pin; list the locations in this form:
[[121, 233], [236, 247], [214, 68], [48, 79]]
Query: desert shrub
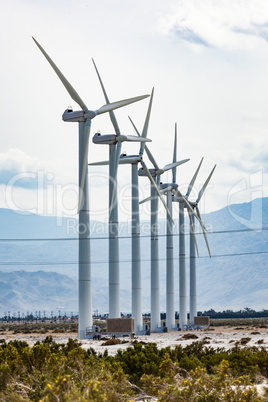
[[66, 372], [244, 341], [110, 342], [190, 363], [204, 388], [140, 359], [189, 336]]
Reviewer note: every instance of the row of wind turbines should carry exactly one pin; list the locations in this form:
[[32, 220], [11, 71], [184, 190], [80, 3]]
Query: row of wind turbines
[[158, 189]]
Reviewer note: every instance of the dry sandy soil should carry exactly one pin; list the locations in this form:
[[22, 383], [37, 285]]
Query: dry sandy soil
[[220, 337]]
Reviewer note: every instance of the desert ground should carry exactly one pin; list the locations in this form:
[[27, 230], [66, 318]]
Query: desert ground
[[218, 337]]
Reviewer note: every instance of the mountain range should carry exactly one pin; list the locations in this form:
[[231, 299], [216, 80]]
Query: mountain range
[[39, 255]]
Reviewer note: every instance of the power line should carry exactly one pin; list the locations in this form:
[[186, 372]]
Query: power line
[[129, 237], [142, 260]]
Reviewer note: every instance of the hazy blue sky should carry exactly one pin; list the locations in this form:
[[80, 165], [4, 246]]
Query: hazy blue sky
[[208, 62]]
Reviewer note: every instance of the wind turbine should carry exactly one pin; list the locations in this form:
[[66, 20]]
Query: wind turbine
[[155, 280], [193, 249], [115, 142], [83, 117], [168, 188], [135, 230], [183, 202], [182, 255]]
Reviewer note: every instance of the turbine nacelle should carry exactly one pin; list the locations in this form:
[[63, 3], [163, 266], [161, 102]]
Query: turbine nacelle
[[170, 186], [177, 198], [157, 171], [124, 155], [124, 159], [194, 204], [154, 172], [142, 173], [71, 116], [110, 139]]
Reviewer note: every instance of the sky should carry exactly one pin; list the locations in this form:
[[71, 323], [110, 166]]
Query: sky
[[208, 63]]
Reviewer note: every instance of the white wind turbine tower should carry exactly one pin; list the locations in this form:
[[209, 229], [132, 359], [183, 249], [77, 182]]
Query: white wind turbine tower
[[83, 117], [135, 230], [155, 280], [115, 142], [168, 188]]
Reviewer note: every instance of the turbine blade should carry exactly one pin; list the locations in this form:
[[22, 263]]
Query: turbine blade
[[150, 156], [156, 188], [134, 138], [109, 108], [193, 232], [84, 165], [174, 165], [102, 163], [146, 123], [174, 156], [135, 128], [145, 200], [72, 92], [163, 191], [201, 192], [118, 104], [111, 113], [193, 179], [204, 233]]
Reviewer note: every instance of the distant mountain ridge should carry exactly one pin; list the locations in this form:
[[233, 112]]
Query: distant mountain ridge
[[235, 277], [23, 291]]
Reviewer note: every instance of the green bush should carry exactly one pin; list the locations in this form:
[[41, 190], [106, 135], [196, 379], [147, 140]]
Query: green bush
[[51, 371]]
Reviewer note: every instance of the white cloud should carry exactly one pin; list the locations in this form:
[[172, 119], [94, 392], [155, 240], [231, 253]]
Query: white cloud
[[229, 24], [22, 170], [39, 186]]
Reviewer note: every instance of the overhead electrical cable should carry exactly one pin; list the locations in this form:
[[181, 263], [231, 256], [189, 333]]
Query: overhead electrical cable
[[129, 237], [11, 263]]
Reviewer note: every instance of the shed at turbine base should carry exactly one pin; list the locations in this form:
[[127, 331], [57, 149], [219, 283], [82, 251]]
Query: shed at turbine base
[[120, 326], [202, 321]]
